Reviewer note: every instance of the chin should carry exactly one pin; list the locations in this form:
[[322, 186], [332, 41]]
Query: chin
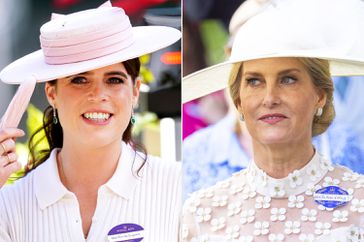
[[272, 138]]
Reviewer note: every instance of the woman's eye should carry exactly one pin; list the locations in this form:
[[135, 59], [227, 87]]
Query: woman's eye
[[288, 80], [253, 81], [79, 80], [115, 80]]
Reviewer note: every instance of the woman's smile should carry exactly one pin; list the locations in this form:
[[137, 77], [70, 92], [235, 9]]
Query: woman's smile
[[97, 117]]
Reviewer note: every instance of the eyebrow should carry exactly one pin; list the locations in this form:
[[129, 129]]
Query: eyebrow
[[111, 73], [252, 73]]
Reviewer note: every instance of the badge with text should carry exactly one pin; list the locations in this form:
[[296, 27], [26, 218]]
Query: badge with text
[[126, 233], [331, 196]]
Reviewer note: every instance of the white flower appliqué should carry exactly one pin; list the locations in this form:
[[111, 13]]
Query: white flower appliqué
[[312, 188], [248, 192], [313, 173], [277, 191], [340, 216], [219, 201], [203, 214], [217, 224], [262, 202], [276, 237], [247, 216], [295, 201], [278, 214], [292, 227], [328, 181], [234, 208], [322, 228], [295, 179], [308, 215], [357, 205], [193, 204], [261, 228], [350, 176], [232, 232]]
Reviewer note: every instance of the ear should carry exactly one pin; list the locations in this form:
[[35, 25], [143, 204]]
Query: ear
[[136, 90], [50, 91], [322, 95]]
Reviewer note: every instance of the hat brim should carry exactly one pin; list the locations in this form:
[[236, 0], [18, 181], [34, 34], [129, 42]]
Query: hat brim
[[214, 78], [147, 39]]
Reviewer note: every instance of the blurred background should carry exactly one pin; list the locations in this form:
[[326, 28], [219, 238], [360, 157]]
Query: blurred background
[[158, 115], [216, 143]]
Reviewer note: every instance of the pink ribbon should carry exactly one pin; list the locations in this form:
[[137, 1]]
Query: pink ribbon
[[87, 45]]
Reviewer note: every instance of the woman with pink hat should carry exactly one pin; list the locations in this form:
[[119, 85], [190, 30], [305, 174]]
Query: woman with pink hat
[[279, 78], [91, 184]]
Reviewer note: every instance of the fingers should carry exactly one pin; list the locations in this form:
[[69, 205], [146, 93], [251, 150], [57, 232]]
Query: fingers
[[7, 159], [7, 137], [10, 168], [7, 146], [8, 133]]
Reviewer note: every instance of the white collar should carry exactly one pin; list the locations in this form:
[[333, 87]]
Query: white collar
[[295, 183], [49, 188]]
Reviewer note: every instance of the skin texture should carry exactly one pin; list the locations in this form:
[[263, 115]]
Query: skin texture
[[8, 157], [91, 149], [279, 88]]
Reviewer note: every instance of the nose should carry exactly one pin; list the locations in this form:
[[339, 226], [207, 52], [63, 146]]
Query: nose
[[272, 96], [97, 92]]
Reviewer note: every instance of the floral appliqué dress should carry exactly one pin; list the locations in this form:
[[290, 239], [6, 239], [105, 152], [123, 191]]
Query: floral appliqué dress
[[251, 206]]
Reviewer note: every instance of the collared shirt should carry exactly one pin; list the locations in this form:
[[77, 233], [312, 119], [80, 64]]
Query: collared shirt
[[39, 208]]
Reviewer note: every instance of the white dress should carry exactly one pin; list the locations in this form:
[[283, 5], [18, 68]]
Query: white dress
[[251, 206]]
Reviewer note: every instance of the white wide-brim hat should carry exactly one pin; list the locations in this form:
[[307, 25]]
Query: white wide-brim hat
[[87, 40], [80, 42], [326, 29]]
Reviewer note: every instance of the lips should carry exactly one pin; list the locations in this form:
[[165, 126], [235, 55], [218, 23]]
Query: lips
[[273, 118]]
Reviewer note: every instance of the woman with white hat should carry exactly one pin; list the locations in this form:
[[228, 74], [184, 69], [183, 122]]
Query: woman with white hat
[[91, 184], [280, 81]]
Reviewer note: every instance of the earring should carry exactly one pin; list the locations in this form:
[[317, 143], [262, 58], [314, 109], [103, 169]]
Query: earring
[[55, 119], [319, 112], [241, 117], [132, 118]]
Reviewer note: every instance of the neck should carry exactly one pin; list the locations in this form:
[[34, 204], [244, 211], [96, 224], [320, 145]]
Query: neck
[[281, 159], [90, 167]]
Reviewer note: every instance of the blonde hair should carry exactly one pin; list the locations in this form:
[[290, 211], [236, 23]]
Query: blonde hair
[[319, 71]]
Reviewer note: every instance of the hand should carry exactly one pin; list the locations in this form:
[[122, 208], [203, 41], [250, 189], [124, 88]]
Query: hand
[[8, 157]]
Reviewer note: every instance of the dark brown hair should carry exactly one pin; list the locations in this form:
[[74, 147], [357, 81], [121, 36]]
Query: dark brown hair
[[53, 132]]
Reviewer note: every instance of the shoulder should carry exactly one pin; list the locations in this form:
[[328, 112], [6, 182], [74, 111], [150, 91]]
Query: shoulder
[[156, 163], [216, 195]]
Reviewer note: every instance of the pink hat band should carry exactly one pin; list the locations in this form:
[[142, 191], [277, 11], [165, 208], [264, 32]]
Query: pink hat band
[[70, 39]]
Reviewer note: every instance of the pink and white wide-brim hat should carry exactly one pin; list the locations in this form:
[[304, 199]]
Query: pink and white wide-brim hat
[[327, 29], [87, 40], [76, 43]]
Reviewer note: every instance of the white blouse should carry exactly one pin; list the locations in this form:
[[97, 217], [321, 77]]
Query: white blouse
[[39, 208], [251, 206]]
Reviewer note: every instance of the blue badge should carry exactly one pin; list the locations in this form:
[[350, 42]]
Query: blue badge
[[126, 233], [331, 196]]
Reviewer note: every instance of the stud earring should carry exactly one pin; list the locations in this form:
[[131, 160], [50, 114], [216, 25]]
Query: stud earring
[[132, 118], [55, 119], [319, 112], [241, 117]]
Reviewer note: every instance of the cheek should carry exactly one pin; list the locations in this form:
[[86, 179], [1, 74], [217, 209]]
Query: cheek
[[248, 101]]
